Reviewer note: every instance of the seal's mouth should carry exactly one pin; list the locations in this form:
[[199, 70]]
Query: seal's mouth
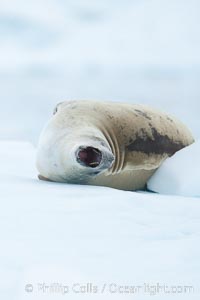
[[89, 156]]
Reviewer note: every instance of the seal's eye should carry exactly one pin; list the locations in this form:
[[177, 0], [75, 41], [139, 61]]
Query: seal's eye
[[89, 156]]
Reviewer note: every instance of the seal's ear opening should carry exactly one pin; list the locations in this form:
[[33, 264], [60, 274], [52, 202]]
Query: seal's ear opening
[[89, 156]]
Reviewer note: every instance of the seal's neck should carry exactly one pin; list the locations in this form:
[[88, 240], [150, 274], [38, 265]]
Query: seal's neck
[[116, 148], [107, 135]]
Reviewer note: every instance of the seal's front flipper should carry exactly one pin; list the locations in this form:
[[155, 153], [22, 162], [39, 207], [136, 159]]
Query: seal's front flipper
[[43, 178]]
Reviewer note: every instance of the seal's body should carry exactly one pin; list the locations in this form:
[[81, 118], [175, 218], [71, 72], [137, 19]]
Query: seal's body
[[105, 143]]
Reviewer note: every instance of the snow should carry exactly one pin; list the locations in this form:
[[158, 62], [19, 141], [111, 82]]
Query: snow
[[66, 234], [179, 174]]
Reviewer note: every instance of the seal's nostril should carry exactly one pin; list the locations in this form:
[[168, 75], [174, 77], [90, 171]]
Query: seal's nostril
[[90, 157]]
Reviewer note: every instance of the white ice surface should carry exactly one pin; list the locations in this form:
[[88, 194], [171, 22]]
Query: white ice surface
[[66, 234], [179, 174]]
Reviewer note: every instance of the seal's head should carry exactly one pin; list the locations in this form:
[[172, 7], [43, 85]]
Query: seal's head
[[69, 151]]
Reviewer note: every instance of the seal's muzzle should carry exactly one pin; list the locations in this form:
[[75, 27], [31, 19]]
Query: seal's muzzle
[[89, 157]]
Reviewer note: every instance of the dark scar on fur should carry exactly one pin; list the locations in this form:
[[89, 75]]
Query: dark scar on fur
[[169, 119], [142, 113], [56, 108], [159, 144]]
